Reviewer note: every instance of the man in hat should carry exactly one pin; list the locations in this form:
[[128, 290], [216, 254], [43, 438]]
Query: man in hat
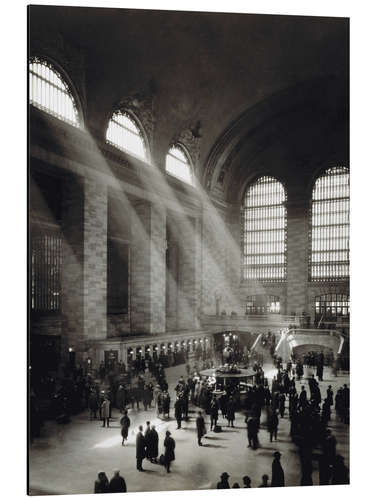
[[169, 447], [117, 483], [140, 445], [223, 484], [264, 481], [277, 471], [201, 427]]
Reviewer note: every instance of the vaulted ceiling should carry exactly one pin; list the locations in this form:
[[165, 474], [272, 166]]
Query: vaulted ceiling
[[212, 68]]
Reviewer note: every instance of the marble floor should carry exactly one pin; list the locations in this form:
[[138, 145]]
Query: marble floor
[[66, 458]]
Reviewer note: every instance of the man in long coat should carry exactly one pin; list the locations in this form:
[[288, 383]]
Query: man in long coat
[[140, 446], [121, 398], [147, 440], [201, 427], [277, 471], [153, 444], [106, 411], [214, 412], [169, 447]]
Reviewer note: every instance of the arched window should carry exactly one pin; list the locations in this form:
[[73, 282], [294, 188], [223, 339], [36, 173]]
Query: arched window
[[178, 164], [330, 226], [48, 91], [124, 133], [264, 231]]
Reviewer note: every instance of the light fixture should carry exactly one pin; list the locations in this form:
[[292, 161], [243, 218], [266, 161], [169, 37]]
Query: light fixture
[[70, 349]]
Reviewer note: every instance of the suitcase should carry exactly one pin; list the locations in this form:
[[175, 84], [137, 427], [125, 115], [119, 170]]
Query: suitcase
[[162, 460], [217, 428]]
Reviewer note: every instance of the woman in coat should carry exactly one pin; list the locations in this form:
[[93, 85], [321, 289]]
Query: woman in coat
[[125, 424], [169, 446]]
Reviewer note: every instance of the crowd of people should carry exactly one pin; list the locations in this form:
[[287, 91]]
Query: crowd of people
[[308, 411]]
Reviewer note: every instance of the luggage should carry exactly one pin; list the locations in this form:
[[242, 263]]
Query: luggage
[[162, 460], [217, 428]]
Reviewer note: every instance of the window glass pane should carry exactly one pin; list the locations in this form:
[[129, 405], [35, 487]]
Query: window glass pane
[[264, 231], [124, 133], [46, 261], [177, 164], [330, 226], [48, 91]]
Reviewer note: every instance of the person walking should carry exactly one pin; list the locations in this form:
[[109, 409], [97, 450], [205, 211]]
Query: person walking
[[105, 411], [223, 484], [140, 445], [178, 407], [201, 427], [117, 483], [214, 413], [277, 471], [169, 447], [231, 416], [101, 484], [93, 404], [252, 432], [125, 424], [153, 445], [273, 424]]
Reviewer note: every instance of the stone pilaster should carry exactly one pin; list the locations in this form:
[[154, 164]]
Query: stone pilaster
[[95, 260], [297, 256], [187, 275], [148, 268], [84, 270]]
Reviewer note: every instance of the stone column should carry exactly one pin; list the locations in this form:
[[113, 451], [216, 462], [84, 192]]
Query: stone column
[[95, 260], [297, 255], [72, 264], [187, 275], [148, 268], [84, 270], [172, 279]]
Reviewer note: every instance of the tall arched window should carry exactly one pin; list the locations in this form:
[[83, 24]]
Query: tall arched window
[[264, 231], [330, 226], [124, 132], [178, 164], [48, 91]]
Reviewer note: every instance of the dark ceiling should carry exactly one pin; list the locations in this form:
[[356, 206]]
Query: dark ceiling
[[203, 66]]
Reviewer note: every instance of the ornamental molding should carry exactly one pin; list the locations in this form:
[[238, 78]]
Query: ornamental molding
[[141, 106], [190, 139]]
